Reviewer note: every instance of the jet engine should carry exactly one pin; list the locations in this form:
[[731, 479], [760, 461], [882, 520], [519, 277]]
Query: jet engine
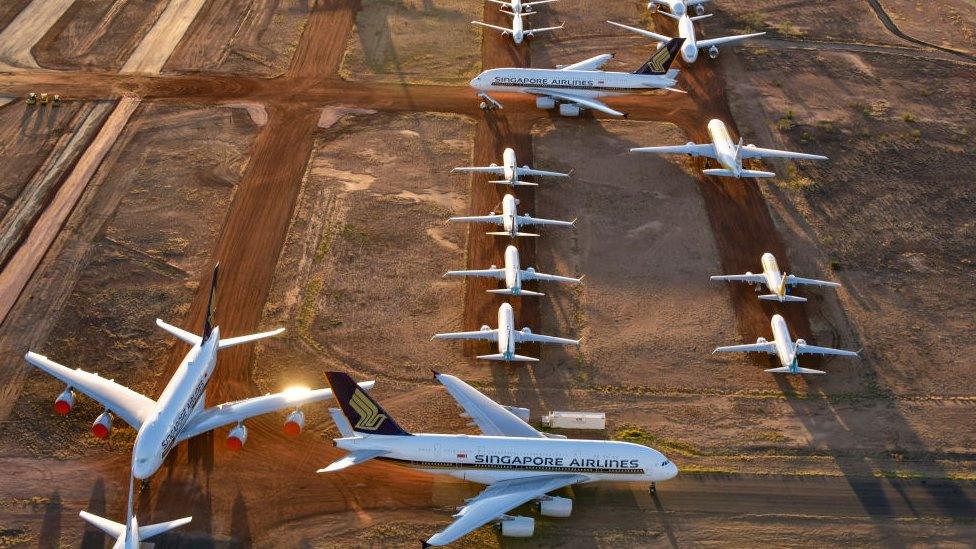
[[555, 506], [700, 9], [713, 52], [294, 423], [566, 109], [518, 527], [530, 270], [486, 328], [801, 342], [526, 330], [102, 426], [761, 340], [545, 102], [237, 437], [65, 402]]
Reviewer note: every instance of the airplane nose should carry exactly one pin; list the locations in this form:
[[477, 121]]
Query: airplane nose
[[671, 471]]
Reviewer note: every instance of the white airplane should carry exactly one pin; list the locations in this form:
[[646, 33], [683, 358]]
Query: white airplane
[[728, 154], [510, 171], [686, 30], [518, 463], [130, 535], [514, 275], [507, 337], [510, 219], [517, 10], [180, 412], [785, 349], [678, 7], [578, 86], [519, 5], [777, 282]]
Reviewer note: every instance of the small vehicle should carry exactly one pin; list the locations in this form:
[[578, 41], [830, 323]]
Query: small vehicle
[[44, 99], [31, 98]]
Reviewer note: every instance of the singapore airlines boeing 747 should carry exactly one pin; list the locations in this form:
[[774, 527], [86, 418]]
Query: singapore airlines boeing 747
[[518, 463]]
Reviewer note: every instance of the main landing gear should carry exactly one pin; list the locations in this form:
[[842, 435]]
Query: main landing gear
[[488, 103], [653, 489]]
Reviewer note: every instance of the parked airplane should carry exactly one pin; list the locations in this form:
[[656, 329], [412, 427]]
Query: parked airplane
[[686, 30], [518, 463], [785, 349], [678, 7], [507, 337], [130, 535], [578, 86], [727, 154], [519, 5], [514, 275], [777, 282], [510, 219], [179, 414], [510, 171], [516, 10]]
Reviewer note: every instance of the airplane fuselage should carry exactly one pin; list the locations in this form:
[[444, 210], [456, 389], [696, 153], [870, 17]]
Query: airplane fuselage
[[686, 30], [509, 213], [513, 275], [487, 459], [506, 331], [775, 280], [589, 84], [509, 165], [785, 349], [724, 147]]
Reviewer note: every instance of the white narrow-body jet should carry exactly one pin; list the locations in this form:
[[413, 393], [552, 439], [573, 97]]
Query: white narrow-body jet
[[510, 171], [516, 9], [678, 7], [514, 275], [510, 220], [579, 86], [727, 153], [777, 282], [785, 349], [130, 535], [180, 412], [518, 463], [506, 336], [686, 30]]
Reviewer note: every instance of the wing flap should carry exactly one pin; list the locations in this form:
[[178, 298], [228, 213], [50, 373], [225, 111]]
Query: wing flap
[[524, 337], [804, 349], [790, 279], [581, 101]]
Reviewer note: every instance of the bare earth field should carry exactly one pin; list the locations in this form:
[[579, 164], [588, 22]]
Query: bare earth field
[[415, 41]]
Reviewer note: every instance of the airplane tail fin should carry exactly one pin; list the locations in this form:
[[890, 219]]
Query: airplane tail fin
[[783, 298], [797, 370], [743, 173], [660, 62], [365, 415], [508, 291], [510, 358], [208, 323]]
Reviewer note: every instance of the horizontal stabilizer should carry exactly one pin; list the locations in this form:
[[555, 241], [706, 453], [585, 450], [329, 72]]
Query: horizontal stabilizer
[[782, 298], [744, 173], [507, 291], [509, 358], [354, 458], [231, 341], [797, 370], [110, 527], [503, 233], [179, 333], [514, 183], [146, 532]]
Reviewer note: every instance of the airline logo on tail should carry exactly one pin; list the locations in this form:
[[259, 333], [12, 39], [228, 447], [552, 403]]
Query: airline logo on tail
[[657, 61], [370, 417]]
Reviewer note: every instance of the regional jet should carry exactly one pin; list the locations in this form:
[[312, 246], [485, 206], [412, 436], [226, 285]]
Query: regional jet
[[729, 155], [510, 220], [678, 7], [179, 414], [686, 30], [507, 337], [777, 282], [516, 9], [578, 86], [514, 275], [510, 171], [785, 349], [130, 535], [517, 463]]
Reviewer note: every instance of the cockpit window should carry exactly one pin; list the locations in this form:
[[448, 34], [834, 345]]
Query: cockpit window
[[665, 463]]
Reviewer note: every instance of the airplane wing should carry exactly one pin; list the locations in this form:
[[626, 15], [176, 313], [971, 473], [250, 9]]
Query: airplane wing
[[581, 101], [540, 173], [790, 279], [726, 40], [235, 412], [528, 220], [804, 349], [477, 219], [125, 403], [750, 278], [487, 335], [495, 27], [652, 35], [492, 418], [706, 149], [353, 458], [768, 347], [528, 337], [480, 169], [759, 152], [490, 273], [531, 275], [591, 64], [498, 499]]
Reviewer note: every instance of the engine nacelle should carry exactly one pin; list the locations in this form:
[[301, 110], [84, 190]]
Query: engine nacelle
[[566, 109], [237, 437], [700, 9], [486, 328], [294, 423], [713, 52], [518, 527], [801, 342], [760, 340], [530, 270], [102, 426], [748, 273], [527, 330], [545, 103], [65, 402], [555, 506]]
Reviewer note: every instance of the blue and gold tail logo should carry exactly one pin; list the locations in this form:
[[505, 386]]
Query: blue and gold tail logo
[[370, 418]]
